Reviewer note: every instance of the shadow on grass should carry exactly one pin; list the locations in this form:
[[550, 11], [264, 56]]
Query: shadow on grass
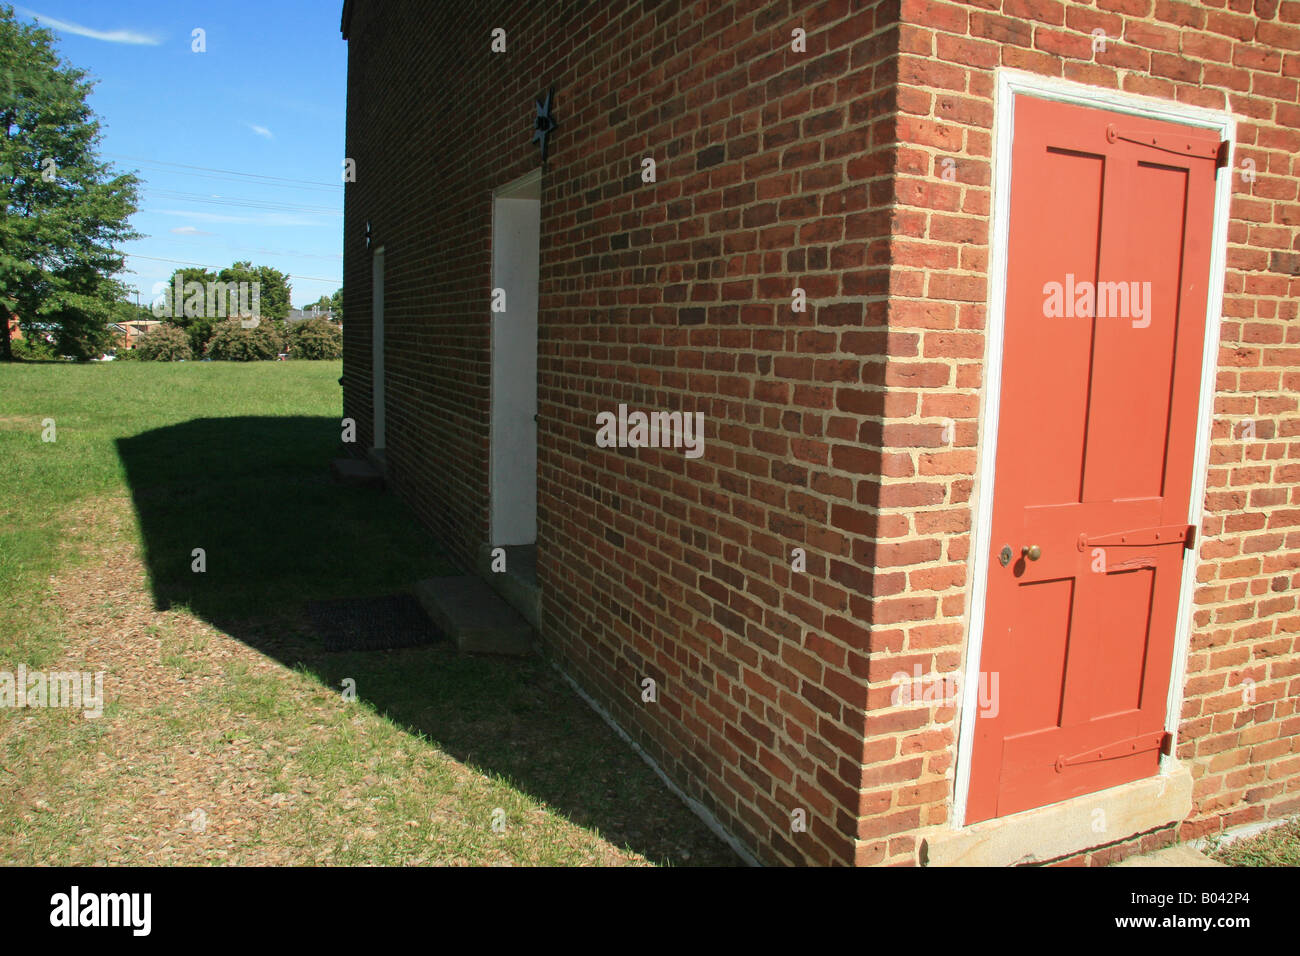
[[255, 494]]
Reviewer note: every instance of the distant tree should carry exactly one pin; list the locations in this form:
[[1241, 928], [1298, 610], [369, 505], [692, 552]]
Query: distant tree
[[323, 304], [336, 305], [130, 312], [165, 343], [197, 327], [62, 211], [34, 348], [274, 288], [315, 339]]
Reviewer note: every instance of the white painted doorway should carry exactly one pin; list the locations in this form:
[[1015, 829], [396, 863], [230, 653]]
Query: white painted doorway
[[377, 344], [516, 236]]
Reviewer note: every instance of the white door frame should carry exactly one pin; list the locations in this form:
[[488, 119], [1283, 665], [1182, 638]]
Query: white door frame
[[512, 429], [378, 423], [1010, 84]]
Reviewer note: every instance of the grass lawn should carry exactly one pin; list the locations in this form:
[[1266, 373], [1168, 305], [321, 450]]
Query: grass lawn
[[1277, 846], [225, 737]]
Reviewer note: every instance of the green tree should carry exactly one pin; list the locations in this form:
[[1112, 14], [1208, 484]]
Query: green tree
[[197, 327], [274, 290], [62, 211], [336, 306], [130, 312]]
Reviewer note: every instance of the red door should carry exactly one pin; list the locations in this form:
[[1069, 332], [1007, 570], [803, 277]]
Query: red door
[[1108, 265]]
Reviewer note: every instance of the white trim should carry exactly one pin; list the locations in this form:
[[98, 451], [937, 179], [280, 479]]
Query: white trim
[[513, 354], [378, 340], [527, 186], [1011, 83]]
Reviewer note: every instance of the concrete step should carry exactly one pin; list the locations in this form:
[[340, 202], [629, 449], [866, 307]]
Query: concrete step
[[518, 583], [1180, 855], [356, 472], [469, 612]]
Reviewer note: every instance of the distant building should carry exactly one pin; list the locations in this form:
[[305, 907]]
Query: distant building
[[302, 315], [128, 333]]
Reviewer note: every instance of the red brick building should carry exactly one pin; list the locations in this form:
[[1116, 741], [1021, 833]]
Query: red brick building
[[989, 312]]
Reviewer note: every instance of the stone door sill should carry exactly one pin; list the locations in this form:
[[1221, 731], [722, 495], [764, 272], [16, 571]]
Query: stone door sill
[[1051, 832]]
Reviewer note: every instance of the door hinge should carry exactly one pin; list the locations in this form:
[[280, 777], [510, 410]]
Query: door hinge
[[1184, 534], [1156, 740], [1167, 142]]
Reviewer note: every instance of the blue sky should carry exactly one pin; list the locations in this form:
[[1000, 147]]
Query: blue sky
[[261, 113]]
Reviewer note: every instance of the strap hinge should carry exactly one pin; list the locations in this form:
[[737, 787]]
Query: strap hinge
[[1169, 143], [1156, 740], [1184, 534]]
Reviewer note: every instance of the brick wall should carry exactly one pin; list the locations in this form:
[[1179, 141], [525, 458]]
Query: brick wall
[[415, 140], [1222, 54], [772, 172], [825, 429]]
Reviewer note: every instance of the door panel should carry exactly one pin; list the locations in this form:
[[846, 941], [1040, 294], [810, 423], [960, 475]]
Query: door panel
[[1108, 266]]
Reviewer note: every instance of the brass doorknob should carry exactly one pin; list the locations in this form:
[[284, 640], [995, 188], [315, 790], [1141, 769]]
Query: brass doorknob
[[1032, 552]]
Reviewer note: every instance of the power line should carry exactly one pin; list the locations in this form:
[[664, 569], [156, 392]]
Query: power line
[[204, 265], [247, 203], [231, 172], [234, 179], [217, 220], [284, 253]]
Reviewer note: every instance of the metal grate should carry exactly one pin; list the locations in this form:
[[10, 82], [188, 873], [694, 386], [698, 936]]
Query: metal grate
[[372, 624]]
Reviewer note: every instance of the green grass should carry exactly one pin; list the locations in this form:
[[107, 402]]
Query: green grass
[[1278, 846], [223, 708], [95, 406]]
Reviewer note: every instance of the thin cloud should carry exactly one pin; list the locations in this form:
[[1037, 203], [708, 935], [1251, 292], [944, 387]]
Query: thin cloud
[[260, 130], [190, 231], [131, 37]]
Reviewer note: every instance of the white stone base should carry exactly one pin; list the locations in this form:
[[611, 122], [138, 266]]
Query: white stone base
[[1080, 823]]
